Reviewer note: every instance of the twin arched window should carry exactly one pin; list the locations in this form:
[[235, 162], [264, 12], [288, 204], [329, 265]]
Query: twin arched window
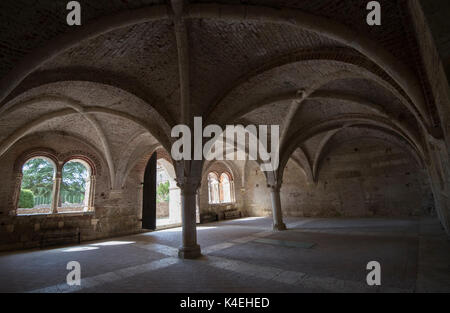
[[220, 188], [45, 189]]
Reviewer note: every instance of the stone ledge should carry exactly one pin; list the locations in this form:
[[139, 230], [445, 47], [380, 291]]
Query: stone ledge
[[62, 214]]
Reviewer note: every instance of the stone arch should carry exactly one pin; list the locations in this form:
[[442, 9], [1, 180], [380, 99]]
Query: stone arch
[[231, 168], [137, 143], [168, 167], [305, 166], [90, 160], [84, 109], [346, 56], [47, 153], [324, 26], [327, 146], [73, 38], [343, 55], [28, 127], [138, 156], [342, 121], [321, 148], [333, 30], [94, 76], [79, 108]]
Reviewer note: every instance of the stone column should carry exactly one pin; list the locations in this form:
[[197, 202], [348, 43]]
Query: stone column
[[197, 206], [189, 248], [232, 192], [87, 194], [437, 172], [91, 193], [55, 193], [140, 197], [276, 208], [16, 194]]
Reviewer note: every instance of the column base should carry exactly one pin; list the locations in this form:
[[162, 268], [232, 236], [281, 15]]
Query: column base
[[189, 252], [279, 227]]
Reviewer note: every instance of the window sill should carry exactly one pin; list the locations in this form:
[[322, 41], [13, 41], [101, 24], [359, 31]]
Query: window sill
[[223, 203], [58, 214]]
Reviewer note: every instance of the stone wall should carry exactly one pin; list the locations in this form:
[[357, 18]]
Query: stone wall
[[357, 179], [115, 213], [434, 66], [256, 193], [162, 209]]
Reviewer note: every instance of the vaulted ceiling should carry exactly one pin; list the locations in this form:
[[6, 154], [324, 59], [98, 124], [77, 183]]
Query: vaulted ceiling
[[313, 67]]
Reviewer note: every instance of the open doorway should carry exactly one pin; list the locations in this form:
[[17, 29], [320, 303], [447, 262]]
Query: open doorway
[[161, 205], [168, 197]]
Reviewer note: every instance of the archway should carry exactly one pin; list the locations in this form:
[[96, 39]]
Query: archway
[[168, 196], [161, 205]]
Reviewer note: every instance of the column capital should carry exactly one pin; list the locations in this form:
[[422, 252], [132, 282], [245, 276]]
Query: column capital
[[55, 192], [274, 187], [189, 184]]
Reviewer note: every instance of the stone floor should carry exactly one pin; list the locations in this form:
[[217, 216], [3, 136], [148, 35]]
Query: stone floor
[[162, 223], [414, 255]]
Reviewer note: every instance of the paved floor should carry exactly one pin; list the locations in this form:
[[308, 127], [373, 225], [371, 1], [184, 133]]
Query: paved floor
[[314, 255], [164, 222]]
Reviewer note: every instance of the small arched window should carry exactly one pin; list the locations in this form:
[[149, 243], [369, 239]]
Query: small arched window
[[225, 188], [220, 188], [213, 188], [36, 189], [75, 187]]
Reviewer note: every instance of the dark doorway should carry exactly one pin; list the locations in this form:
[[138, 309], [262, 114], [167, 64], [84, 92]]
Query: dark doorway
[[149, 194]]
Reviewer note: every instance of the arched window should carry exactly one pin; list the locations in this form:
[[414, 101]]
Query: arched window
[[42, 186], [37, 186], [213, 188], [220, 188], [225, 188], [75, 187]]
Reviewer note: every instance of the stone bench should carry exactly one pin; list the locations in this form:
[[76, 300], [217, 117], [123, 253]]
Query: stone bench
[[208, 217], [231, 213], [58, 236]]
